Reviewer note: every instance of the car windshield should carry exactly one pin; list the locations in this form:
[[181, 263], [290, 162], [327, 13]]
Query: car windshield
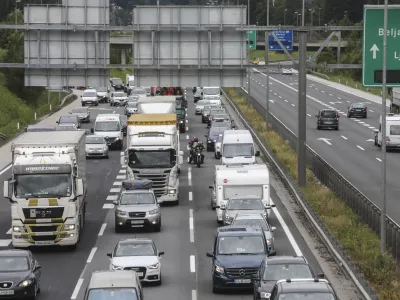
[[89, 94], [276, 272], [132, 104], [359, 105], [79, 110], [43, 185], [394, 129], [306, 296], [221, 116], [117, 81], [216, 131], [244, 204], [217, 111], [101, 89], [68, 119], [202, 102], [138, 92], [112, 294], [235, 150], [226, 125], [95, 140], [241, 245], [107, 126], [328, 114], [211, 91], [13, 264], [137, 198], [152, 159], [119, 94], [134, 249], [252, 223]]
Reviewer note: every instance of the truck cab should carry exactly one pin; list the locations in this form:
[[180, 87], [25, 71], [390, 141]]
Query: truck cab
[[109, 126], [238, 148]]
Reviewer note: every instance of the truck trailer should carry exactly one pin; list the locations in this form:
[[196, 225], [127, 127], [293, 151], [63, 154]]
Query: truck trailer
[[156, 105], [47, 188]]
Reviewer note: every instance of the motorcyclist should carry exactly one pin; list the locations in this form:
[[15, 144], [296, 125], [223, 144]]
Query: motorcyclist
[[198, 147], [195, 144]]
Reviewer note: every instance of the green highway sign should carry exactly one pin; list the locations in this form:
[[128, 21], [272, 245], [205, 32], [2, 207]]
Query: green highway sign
[[251, 39], [373, 46]]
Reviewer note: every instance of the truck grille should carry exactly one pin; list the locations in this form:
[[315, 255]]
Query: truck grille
[[139, 270], [237, 273], [40, 238], [159, 182], [49, 228], [138, 214], [43, 212]]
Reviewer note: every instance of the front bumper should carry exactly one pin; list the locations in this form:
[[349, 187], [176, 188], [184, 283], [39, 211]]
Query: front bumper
[[357, 113], [146, 274], [96, 153], [85, 102], [61, 238], [224, 282], [18, 292], [146, 222], [85, 120], [169, 197]]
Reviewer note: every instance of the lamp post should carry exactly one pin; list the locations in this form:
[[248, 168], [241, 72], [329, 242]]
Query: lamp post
[[319, 16], [16, 12], [311, 12], [284, 16], [303, 13]]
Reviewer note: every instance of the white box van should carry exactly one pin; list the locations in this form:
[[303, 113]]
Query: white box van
[[211, 91], [237, 180], [238, 148], [392, 132], [109, 126]]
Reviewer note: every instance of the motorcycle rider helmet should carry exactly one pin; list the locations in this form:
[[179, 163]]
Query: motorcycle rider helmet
[[195, 139]]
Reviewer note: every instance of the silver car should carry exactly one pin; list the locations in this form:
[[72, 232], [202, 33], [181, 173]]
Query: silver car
[[217, 147], [200, 105], [96, 146], [137, 206], [118, 98], [83, 114], [261, 221], [130, 108]]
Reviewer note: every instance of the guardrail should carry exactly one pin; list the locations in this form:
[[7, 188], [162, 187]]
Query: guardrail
[[368, 212], [334, 246]]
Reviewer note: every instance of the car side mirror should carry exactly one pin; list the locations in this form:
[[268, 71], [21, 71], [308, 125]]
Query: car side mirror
[[257, 153], [58, 122], [210, 254], [211, 187], [376, 130], [81, 96], [161, 253], [115, 202], [321, 276], [79, 187], [92, 130], [266, 206], [38, 267], [109, 254], [273, 228], [70, 112]]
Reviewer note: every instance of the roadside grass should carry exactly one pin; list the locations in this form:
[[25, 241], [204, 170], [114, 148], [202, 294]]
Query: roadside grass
[[361, 242], [272, 55], [120, 73]]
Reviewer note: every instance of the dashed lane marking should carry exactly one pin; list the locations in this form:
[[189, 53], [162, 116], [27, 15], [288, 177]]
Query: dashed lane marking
[[339, 98], [330, 95], [372, 127], [9, 231], [117, 183], [344, 137], [5, 169], [286, 100], [359, 147], [122, 171], [77, 288], [190, 175], [348, 101], [115, 190], [366, 125], [121, 176], [112, 197], [361, 122], [187, 128], [103, 227], [187, 137], [309, 115], [194, 295], [190, 196], [323, 92], [123, 167], [378, 159], [108, 206], [293, 105], [5, 243], [91, 255], [192, 263], [371, 110], [191, 226], [280, 97]]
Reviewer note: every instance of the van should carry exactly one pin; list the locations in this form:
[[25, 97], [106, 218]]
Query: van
[[109, 126], [114, 284], [239, 180], [211, 91], [238, 148], [392, 132]]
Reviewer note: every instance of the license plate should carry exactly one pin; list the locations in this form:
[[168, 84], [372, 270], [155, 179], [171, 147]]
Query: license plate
[[242, 280], [137, 221], [140, 274], [8, 292], [44, 243], [329, 122]]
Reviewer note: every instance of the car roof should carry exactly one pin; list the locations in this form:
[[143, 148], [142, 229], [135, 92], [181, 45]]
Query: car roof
[[279, 260], [327, 109], [359, 103], [305, 285], [246, 216], [136, 240], [113, 278], [14, 252]]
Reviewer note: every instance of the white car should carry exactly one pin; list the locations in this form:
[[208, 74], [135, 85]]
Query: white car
[[140, 255], [118, 98], [287, 71], [89, 97], [217, 147]]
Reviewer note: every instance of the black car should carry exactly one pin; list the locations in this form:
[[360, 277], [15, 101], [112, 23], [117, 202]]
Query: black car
[[237, 255], [328, 118], [303, 289], [74, 120], [212, 136], [357, 110], [19, 275], [83, 114], [206, 112], [124, 124], [117, 84], [276, 268]]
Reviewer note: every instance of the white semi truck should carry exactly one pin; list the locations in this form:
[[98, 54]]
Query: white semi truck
[[47, 188], [153, 153], [157, 105]]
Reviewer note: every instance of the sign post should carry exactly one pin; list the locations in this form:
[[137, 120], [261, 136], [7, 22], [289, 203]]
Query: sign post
[[373, 46], [285, 37], [251, 39]]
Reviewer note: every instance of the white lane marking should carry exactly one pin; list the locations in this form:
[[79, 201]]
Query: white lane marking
[[91, 255], [190, 175], [348, 101], [360, 148], [5, 243], [325, 140], [123, 167], [77, 288], [113, 112], [187, 128], [366, 125], [190, 196], [371, 110], [115, 190], [9, 231], [275, 94], [339, 98], [372, 127], [270, 91], [286, 100], [108, 206], [293, 105], [194, 295], [323, 92], [378, 159], [309, 115], [122, 153], [122, 172], [112, 197], [117, 183], [187, 121], [286, 230], [5, 169], [316, 89], [357, 120], [343, 114], [280, 97], [192, 264], [330, 95], [187, 137], [361, 122], [103, 227], [262, 85], [344, 137], [191, 226], [121, 176]]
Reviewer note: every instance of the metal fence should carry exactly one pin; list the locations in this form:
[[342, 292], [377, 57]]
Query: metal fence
[[368, 212]]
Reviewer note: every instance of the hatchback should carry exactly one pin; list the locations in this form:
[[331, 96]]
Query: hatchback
[[328, 118], [357, 110]]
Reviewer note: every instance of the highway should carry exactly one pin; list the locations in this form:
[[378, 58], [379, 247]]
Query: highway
[[186, 235], [350, 150]]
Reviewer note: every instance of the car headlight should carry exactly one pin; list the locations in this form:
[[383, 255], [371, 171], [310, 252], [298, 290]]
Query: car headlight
[[155, 266], [219, 269], [154, 211], [180, 122], [208, 141], [269, 242], [69, 226], [26, 283], [172, 191], [114, 267], [19, 228], [264, 295], [121, 213]]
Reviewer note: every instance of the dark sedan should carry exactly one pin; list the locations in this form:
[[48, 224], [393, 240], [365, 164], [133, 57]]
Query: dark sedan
[[83, 114], [19, 275], [69, 120], [328, 118], [212, 136], [357, 110]]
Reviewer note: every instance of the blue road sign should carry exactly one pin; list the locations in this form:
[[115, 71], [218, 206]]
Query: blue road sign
[[286, 38]]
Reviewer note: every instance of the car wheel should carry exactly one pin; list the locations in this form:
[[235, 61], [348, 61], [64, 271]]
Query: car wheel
[[376, 141], [97, 104], [118, 229], [365, 116], [158, 228], [83, 104], [337, 128], [349, 115], [111, 104], [160, 281], [318, 127], [34, 296]]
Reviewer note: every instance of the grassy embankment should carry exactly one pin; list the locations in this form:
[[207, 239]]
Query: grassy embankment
[[362, 243], [120, 73]]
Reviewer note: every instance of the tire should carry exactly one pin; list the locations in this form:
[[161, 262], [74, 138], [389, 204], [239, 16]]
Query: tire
[[111, 104], [34, 297], [216, 290], [157, 228], [107, 156], [118, 229], [182, 130], [97, 104], [198, 163], [349, 115], [83, 104], [158, 283], [376, 141], [318, 128], [337, 128]]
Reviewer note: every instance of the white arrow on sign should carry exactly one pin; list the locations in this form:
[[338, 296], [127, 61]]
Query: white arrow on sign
[[325, 140], [370, 140], [374, 49]]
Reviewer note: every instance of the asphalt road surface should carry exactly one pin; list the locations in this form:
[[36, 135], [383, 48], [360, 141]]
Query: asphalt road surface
[[350, 150], [186, 235]]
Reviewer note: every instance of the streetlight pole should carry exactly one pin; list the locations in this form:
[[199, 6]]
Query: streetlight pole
[[319, 16], [16, 12], [248, 12], [284, 16], [303, 13]]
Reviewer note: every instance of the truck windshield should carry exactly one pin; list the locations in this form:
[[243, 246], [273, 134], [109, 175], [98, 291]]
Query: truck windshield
[[112, 294], [152, 159], [43, 185], [235, 150], [210, 91], [107, 126]]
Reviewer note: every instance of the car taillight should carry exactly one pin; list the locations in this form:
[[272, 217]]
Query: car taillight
[[387, 139]]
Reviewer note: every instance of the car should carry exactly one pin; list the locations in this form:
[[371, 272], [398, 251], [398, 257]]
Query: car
[[243, 204], [137, 206], [212, 136], [214, 111], [89, 96], [96, 146], [197, 93], [124, 124], [258, 220], [66, 127], [357, 110], [117, 84], [236, 258], [102, 94], [74, 120], [218, 118], [83, 114], [118, 98], [275, 268], [328, 118], [303, 289], [226, 125], [130, 108], [206, 112], [200, 105], [39, 128], [217, 147], [140, 255], [20, 274], [288, 71]]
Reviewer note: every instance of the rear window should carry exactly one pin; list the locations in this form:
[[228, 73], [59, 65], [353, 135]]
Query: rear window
[[359, 105], [394, 129], [328, 114]]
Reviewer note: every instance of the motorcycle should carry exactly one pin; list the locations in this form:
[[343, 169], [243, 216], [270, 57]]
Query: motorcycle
[[197, 159]]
